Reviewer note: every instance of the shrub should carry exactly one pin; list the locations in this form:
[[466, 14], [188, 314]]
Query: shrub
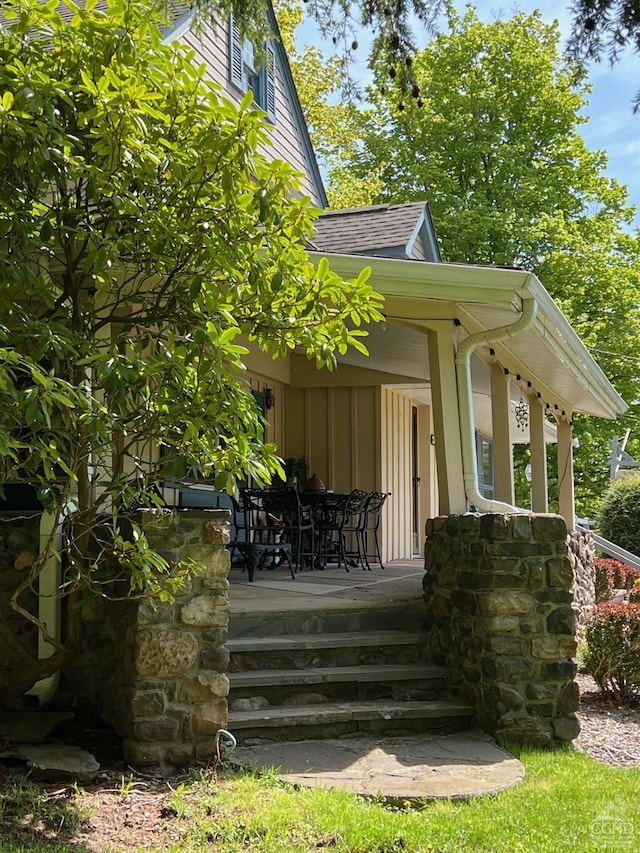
[[604, 580], [612, 574], [612, 636], [634, 592], [619, 514]]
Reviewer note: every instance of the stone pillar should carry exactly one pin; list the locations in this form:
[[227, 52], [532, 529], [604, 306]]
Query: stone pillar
[[582, 553], [179, 697], [499, 599], [19, 547], [156, 670]]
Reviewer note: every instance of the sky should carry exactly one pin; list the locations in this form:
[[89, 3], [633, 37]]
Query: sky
[[612, 126]]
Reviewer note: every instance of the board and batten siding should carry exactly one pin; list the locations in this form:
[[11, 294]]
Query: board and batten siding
[[396, 473], [211, 47], [336, 431], [358, 437]]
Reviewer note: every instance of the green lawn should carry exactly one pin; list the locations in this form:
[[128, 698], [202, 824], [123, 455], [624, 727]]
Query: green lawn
[[567, 803]]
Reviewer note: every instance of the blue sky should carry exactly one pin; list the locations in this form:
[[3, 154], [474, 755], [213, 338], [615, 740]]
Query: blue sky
[[612, 125]]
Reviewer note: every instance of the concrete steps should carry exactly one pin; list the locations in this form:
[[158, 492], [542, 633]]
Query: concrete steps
[[338, 674], [321, 641], [328, 674], [335, 718]]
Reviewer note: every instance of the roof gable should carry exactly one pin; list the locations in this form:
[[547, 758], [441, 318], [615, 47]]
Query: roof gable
[[386, 230]]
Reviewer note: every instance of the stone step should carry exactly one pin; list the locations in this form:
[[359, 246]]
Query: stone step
[[344, 639], [333, 719], [331, 674], [392, 616]]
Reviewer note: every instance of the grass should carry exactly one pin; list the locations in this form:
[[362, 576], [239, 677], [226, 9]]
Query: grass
[[32, 811], [567, 803]]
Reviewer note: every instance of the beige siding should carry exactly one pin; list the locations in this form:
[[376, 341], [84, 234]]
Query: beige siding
[[212, 48], [358, 437], [336, 431], [426, 470], [396, 474], [275, 415], [418, 251]]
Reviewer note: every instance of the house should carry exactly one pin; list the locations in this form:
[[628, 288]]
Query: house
[[470, 360], [465, 358]]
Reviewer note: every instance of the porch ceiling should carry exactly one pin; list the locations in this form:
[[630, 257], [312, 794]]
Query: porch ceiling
[[418, 294]]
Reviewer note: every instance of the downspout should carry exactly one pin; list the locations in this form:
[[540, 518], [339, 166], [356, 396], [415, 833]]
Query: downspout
[[465, 403], [49, 607]]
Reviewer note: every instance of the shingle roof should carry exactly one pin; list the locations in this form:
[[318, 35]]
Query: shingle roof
[[368, 230]]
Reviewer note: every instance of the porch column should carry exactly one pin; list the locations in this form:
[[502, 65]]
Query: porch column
[[566, 498], [538, 446], [446, 420], [502, 452], [427, 470]]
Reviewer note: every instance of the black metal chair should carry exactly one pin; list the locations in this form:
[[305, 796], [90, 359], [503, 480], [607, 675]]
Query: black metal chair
[[370, 524], [238, 529], [337, 524], [276, 524]]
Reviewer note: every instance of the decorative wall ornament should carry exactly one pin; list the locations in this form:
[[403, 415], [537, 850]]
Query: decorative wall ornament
[[522, 415]]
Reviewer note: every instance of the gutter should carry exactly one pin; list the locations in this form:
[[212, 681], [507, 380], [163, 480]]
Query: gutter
[[465, 402]]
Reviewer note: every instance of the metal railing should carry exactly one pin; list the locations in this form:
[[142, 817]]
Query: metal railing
[[612, 550]]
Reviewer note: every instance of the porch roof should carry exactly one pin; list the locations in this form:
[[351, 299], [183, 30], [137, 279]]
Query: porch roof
[[550, 355]]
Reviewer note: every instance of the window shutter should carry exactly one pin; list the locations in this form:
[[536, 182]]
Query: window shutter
[[269, 77], [236, 69], [479, 463]]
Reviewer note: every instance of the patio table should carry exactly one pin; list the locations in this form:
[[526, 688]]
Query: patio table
[[336, 522]]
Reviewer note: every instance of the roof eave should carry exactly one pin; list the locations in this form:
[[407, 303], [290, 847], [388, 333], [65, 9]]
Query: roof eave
[[468, 285]]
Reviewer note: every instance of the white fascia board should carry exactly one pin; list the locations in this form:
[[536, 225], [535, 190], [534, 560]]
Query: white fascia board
[[466, 284], [428, 280], [414, 236], [559, 334], [178, 29]]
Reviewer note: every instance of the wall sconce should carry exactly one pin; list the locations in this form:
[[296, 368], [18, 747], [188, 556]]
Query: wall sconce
[[269, 398]]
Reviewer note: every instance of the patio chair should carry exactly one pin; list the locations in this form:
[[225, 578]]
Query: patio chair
[[337, 524], [370, 523], [276, 524], [238, 529]]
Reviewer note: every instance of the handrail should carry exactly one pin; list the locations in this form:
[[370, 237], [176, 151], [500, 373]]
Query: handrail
[[612, 550]]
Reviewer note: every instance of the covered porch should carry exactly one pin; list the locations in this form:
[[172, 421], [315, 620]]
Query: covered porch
[[469, 362]]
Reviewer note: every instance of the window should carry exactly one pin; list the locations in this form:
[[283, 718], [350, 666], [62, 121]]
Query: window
[[484, 453], [244, 74]]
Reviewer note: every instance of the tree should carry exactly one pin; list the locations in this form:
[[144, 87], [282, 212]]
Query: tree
[[510, 181], [599, 27], [141, 233], [391, 26], [333, 121], [606, 27]]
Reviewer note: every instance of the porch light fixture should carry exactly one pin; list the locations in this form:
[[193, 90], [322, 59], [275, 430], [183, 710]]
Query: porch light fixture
[[269, 398]]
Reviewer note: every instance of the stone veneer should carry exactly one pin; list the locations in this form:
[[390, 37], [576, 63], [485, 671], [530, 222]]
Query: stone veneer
[[582, 554], [157, 671], [500, 616], [19, 547]]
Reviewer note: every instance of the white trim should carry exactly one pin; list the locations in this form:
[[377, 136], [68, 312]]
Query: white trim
[[178, 30], [468, 286]]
